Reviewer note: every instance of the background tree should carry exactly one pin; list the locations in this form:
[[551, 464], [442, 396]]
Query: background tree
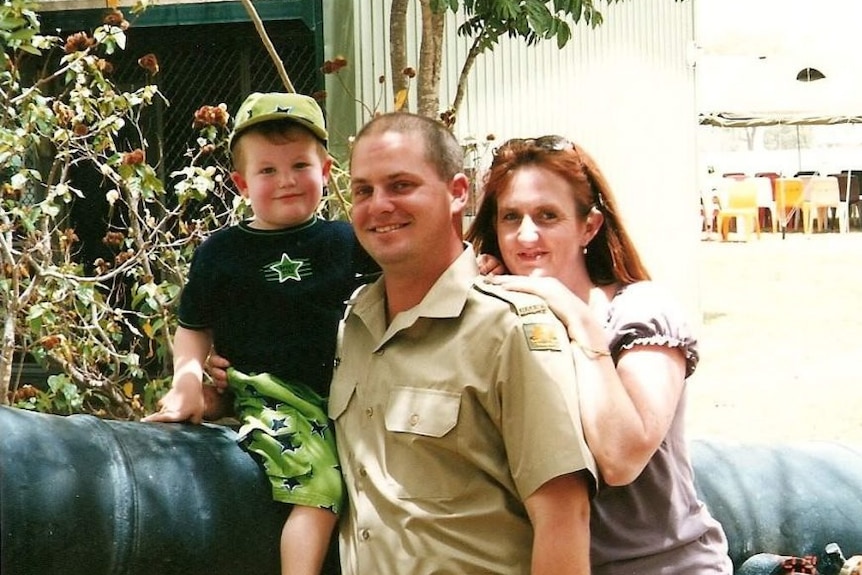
[[486, 22]]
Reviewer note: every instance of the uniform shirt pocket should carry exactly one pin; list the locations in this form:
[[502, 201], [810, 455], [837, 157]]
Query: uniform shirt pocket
[[422, 452], [429, 412]]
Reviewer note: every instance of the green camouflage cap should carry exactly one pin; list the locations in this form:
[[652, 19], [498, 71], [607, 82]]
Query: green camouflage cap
[[259, 107]]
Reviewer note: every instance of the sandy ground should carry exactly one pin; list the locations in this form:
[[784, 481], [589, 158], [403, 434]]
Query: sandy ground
[[780, 339]]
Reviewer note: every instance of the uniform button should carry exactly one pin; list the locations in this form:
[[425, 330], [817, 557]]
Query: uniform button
[[369, 411], [379, 351], [414, 419], [363, 472], [365, 534]]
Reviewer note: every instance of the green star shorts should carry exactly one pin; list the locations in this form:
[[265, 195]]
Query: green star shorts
[[285, 426]]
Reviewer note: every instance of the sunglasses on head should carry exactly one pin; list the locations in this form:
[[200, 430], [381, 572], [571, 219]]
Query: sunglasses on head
[[549, 143], [554, 143]]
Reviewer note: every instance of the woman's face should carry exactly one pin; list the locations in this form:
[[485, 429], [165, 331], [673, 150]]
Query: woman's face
[[538, 229]]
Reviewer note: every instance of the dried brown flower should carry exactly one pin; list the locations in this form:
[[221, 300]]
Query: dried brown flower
[[7, 191], [123, 257], [80, 129], [101, 265], [115, 18], [133, 158], [23, 393], [113, 239], [334, 65], [448, 118], [211, 116], [104, 66], [63, 113], [78, 42], [150, 63], [68, 237], [51, 341]]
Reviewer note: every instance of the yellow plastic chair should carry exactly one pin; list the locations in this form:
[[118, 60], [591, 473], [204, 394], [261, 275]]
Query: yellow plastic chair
[[740, 203], [789, 197], [823, 194]]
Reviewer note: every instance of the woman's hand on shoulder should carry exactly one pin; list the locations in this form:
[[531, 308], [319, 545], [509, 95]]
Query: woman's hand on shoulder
[[562, 302]]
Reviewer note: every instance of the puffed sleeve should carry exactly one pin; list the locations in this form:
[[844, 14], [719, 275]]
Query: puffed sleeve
[[645, 314]]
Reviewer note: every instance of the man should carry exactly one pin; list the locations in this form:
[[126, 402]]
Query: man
[[455, 402]]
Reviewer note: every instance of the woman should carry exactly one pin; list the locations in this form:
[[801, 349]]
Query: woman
[[550, 217]]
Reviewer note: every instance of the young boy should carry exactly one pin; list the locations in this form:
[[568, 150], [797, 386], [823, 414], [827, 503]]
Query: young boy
[[267, 295]]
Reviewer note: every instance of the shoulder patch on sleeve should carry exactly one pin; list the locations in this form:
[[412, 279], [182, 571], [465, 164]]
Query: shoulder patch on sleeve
[[523, 303], [542, 336], [541, 329]]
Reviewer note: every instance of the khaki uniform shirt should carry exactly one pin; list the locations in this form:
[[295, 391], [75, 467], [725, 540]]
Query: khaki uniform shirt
[[446, 420]]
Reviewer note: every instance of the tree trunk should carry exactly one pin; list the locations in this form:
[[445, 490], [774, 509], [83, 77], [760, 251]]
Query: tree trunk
[[461, 88], [398, 47], [430, 60]]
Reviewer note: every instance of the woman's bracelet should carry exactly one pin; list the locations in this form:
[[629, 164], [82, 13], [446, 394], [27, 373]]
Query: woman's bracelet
[[590, 352]]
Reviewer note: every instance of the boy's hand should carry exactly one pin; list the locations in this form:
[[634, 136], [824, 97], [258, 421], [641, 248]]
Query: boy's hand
[[179, 405], [489, 265]]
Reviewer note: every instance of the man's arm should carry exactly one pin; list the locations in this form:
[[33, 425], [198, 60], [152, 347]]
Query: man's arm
[[560, 513], [185, 400]]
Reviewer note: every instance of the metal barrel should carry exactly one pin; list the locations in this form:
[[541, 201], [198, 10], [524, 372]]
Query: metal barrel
[[84, 496], [781, 499]]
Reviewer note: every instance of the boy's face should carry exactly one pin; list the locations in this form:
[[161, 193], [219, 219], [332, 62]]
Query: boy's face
[[282, 176]]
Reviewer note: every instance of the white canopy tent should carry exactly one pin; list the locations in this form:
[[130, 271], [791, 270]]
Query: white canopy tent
[[754, 66], [753, 120], [748, 55]]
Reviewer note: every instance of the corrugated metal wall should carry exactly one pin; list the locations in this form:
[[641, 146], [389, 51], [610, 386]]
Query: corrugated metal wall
[[625, 91]]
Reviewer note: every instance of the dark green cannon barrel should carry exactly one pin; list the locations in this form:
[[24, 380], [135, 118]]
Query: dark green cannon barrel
[[85, 496], [781, 499]]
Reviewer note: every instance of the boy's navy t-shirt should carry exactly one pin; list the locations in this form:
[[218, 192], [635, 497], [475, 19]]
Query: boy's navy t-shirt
[[273, 298]]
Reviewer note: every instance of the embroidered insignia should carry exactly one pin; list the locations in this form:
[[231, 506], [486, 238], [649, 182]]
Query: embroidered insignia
[[287, 269], [541, 337], [534, 308]]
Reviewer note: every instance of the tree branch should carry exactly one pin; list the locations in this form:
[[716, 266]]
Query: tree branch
[[261, 31]]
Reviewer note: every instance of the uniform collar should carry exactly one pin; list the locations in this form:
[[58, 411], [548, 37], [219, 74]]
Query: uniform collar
[[445, 299]]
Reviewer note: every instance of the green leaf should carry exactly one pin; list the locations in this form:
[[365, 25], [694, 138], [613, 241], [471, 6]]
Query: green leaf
[[564, 34], [576, 10], [22, 34], [539, 17], [11, 22], [507, 9], [560, 5]]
